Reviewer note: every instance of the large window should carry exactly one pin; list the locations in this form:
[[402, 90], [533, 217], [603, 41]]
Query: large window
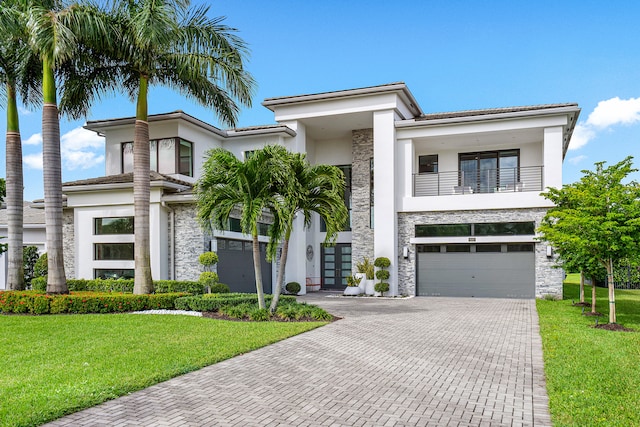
[[489, 171], [165, 156], [110, 273], [113, 225], [113, 251], [479, 229]]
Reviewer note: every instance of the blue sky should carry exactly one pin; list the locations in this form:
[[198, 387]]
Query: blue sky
[[453, 55]]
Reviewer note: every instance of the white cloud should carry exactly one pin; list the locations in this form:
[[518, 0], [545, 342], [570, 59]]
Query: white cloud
[[33, 161], [608, 113], [24, 111], [577, 159], [615, 111], [581, 135], [81, 149], [35, 139]]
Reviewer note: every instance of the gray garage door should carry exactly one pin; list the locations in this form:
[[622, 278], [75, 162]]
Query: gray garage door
[[235, 266], [492, 271]]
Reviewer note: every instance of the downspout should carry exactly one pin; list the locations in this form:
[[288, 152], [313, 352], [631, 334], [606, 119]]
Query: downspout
[[172, 240]]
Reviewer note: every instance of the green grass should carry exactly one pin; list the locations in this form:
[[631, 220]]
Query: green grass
[[593, 376], [58, 364]]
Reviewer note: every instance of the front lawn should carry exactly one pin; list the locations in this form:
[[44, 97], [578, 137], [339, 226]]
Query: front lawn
[[592, 375], [58, 364]]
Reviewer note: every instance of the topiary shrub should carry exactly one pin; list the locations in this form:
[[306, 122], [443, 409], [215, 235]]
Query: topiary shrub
[[220, 288], [208, 278], [382, 262], [382, 287], [293, 288], [382, 275], [208, 260]]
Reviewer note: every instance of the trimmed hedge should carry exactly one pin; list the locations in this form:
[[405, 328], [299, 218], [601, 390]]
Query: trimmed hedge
[[123, 285], [214, 302], [36, 302]]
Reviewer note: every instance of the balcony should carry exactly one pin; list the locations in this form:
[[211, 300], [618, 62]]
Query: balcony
[[504, 180]]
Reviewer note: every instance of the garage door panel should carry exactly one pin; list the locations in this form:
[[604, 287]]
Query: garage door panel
[[503, 275]]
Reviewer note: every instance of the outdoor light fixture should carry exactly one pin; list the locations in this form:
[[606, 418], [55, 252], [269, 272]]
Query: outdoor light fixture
[[549, 252], [405, 252]]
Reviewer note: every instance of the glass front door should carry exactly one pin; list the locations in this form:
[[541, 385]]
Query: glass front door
[[336, 266]]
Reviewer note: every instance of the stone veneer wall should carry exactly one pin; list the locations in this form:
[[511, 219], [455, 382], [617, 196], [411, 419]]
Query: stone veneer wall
[[68, 243], [361, 232], [548, 279], [190, 240]]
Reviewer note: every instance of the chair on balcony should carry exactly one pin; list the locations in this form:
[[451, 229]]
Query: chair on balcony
[[518, 186], [462, 189]]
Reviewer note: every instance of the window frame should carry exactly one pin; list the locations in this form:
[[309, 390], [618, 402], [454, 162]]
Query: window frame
[[433, 165], [478, 156], [95, 226], [177, 143]]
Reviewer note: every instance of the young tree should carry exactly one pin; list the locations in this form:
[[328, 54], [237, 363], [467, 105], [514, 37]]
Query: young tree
[[319, 189], [167, 43], [599, 215], [229, 184]]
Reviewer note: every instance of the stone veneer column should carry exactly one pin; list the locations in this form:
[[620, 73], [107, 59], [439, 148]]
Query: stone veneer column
[[69, 243], [190, 242], [361, 232]]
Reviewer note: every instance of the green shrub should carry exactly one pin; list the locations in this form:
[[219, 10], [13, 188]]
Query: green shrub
[[219, 288], [208, 259], [259, 314], [320, 314], [382, 262], [29, 258], [293, 288], [36, 302], [381, 287], [366, 267], [172, 286], [126, 286], [41, 268], [382, 275], [214, 302], [39, 283], [208, 278]]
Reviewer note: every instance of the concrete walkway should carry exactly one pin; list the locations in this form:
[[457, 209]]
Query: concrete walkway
[[389, 362]]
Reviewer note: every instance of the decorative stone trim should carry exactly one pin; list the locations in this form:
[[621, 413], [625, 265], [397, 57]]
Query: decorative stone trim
[[190, 242], [69, 243], [361, 232]]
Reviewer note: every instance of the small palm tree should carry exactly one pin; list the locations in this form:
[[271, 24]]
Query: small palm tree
[[19, 75], [317, 188], [164, 42], [229, 184]]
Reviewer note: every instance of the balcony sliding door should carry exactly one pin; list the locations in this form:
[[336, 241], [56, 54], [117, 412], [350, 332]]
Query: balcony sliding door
[[485, 172]]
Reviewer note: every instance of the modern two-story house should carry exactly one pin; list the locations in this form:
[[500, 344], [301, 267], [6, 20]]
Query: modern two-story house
[[452, 199]]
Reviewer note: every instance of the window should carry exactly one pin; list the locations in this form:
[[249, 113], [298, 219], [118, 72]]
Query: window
[[164, 157], [104, 273], [504, 229], [521, 247], [247, 154], [489, 248], [113, 251], [428, 248], [428, 163], [488, 171], [234, 225], [458, 248], [114, 225], [443, 230]]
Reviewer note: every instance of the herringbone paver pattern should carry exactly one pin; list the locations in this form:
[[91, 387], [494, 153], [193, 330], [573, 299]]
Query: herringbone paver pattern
[[402, 362]]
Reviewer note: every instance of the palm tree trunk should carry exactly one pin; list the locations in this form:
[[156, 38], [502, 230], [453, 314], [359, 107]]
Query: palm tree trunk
[[143, 283], [280, 279], [52, 173], [582, 286], [14, 198], [612, 292], [593, 294], [257, 268]]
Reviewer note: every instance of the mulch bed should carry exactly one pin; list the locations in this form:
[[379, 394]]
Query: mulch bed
[[218, 316], [581, 304], [613, 327], [590, 313]]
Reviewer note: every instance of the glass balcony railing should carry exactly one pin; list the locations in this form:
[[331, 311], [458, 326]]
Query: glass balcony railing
[[478, 182]]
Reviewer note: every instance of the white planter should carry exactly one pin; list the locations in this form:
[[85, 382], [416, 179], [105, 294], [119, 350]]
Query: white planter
[[352, 290], [369, 287], [363, 281]]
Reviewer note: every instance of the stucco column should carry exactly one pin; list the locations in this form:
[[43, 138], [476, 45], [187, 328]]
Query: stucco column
[[552, 157], [296, 270], [384, 180]]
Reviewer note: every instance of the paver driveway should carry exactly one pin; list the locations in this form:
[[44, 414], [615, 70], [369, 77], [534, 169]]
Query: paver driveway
[[402, 362]]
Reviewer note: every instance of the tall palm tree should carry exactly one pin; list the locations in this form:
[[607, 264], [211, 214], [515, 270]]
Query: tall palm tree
[[56, 30], [317, 188], [229, 184], [19, 75], [165, 42]]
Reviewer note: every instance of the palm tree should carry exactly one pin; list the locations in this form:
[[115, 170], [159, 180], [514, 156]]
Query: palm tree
[[229, 184], [55, 32], [319, 189], [19, 74], [164, 42]]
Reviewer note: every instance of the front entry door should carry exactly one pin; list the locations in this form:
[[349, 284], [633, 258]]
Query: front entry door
[[336, 266]]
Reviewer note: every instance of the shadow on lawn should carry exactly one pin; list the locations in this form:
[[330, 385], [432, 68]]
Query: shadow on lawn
[[627, 303]]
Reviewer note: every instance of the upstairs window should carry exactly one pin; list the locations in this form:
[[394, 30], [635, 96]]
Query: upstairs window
[[428, 163], [113, 225], [165, 156]]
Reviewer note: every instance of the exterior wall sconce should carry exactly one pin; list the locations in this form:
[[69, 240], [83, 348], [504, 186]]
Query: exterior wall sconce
[[549, 252], [405, 252]]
